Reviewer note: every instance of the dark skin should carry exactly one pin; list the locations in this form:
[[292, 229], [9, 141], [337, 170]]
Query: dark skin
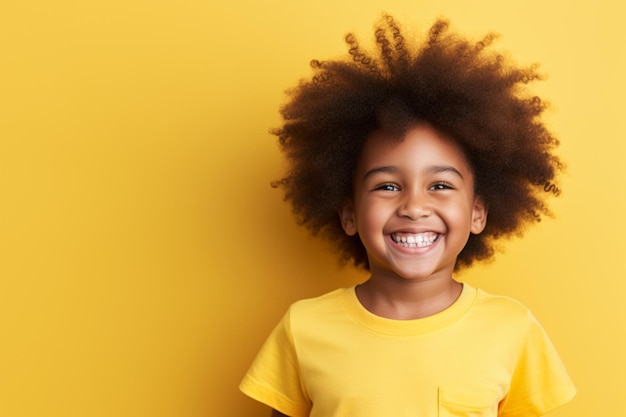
[[480, 110], [420, 185], [476, 94]]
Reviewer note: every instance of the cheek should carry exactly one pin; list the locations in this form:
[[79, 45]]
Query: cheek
[[368, 220], [459, 213], [372, 217]]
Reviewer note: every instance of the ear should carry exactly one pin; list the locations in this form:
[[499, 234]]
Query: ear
[[348, 219], [479, 216]]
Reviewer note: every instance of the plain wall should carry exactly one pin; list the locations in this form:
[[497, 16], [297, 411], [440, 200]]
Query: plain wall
[[143, 255]]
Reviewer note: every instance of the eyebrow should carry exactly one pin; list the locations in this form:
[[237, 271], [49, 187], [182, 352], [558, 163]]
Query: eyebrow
[[445, 168], [435, 169]]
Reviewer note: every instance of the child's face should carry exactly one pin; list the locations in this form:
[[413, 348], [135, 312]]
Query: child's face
[[414, 205]]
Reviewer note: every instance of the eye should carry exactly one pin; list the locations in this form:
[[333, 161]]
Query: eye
[[387, 187], [441, 186]]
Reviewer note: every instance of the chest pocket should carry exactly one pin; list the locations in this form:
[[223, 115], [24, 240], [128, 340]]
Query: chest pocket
[[467, 403]]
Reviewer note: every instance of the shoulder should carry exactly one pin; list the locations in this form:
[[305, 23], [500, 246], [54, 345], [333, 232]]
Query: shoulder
[[329, 303], [506, 321], [500, 303], [314, 317], [502, 312]]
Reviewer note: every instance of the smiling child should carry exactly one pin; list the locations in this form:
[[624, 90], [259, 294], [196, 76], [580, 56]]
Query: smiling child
[[412, 163]]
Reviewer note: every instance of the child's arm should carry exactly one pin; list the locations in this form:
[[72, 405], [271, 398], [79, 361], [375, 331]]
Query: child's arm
[[278, 414]]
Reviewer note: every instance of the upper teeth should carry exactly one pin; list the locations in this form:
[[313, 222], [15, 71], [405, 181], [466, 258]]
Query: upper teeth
[[413, 241]]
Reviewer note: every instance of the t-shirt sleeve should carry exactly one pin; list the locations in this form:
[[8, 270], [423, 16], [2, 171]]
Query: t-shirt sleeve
[[274, 377], [540, 381]]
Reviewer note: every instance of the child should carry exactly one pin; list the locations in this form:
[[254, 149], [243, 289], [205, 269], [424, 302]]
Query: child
[[412, 163]]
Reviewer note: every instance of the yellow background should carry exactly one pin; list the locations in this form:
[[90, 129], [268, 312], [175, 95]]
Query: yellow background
[[143, 255]]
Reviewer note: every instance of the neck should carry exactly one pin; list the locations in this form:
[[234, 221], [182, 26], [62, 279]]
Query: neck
[[406, 299]]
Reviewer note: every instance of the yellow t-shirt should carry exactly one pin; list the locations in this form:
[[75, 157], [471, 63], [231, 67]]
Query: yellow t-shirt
[[484, 356]]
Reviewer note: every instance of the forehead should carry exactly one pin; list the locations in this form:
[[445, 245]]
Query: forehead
[[421, 146]]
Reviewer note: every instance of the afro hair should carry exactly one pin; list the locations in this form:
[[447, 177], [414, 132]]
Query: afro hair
[[476, 96]]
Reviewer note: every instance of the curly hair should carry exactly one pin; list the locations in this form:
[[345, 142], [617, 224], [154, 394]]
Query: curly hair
[[461, 88]]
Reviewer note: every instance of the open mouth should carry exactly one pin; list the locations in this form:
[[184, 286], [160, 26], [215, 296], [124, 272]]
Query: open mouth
[[414, 240]]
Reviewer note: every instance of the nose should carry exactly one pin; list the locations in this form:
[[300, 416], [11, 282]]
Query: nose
[[415, 204]]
